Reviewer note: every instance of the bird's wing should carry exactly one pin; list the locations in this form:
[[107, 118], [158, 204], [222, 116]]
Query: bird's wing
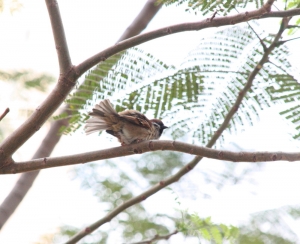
[[135, 117]]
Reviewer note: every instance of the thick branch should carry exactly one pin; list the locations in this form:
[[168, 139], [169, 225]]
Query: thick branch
[[65, 84], [148, 146], [61, 45], [142, 20]]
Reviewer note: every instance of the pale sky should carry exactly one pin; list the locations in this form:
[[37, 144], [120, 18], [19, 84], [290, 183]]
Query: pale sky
[[54, 200]]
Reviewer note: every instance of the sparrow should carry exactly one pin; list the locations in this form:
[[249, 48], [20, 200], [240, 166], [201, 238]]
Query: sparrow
[[129, 126]]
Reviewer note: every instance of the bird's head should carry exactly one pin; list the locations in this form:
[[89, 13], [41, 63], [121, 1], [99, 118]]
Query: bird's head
[[159, 125]]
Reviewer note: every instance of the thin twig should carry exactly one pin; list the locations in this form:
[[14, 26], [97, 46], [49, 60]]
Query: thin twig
[[285, 41], [213, 16], [6, 111], [279, 67], [261, 41], [157, 238], [293, 26], [274, 5]]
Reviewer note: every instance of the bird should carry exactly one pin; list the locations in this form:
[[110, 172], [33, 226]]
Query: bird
[[129, 126]]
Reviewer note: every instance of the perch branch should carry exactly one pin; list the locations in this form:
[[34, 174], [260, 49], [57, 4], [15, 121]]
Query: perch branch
[[149, 146]]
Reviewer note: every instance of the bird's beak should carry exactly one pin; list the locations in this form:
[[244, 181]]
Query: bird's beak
[[165, 127]]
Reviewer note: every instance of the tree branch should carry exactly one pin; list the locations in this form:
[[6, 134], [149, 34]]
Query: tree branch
[[149, 146], [142, 20], [61, 45], [157, 238], [64, 85], [285, 41], [193, 26], [6, 111]]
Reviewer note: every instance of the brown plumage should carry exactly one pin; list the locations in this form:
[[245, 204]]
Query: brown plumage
[[129, 126]]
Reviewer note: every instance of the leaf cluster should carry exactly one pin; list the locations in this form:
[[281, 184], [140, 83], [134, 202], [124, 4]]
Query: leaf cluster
[[193, 99], [205, 229]]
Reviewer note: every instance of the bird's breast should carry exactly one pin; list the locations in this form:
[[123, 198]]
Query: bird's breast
[[131, 133]]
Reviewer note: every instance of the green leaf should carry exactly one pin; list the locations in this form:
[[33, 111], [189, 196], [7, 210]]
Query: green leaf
[[204, 228]]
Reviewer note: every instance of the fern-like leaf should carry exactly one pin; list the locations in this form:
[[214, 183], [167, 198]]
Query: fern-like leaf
[[194, 99]]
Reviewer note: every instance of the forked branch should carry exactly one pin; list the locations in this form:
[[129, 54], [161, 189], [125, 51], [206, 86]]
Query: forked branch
[[71, 74]]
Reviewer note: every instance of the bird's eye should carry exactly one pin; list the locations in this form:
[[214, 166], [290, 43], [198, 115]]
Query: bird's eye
[[156, 125]]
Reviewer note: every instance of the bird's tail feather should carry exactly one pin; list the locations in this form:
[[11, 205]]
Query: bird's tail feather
[[103, 109], [100, 116]]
